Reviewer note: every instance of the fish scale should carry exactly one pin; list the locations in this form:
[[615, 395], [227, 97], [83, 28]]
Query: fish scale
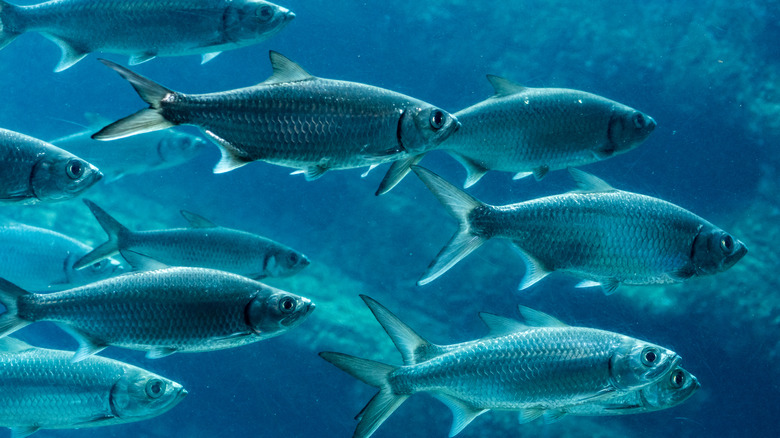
[[162, 311], [143, 28], [43, 388], [537, 367], [296, 120], [598, 233]]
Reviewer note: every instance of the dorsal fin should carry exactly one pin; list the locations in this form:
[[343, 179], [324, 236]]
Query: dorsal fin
[[501, 325], [285, 70], [13, 345], [196, 220], [504, 87], [413, 347], [589, 183], [535, 318]]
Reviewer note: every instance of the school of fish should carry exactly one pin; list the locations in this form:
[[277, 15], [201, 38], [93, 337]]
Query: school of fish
[[195, 289]]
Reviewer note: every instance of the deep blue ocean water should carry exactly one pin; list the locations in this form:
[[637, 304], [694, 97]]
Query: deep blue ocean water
[[703, 73]]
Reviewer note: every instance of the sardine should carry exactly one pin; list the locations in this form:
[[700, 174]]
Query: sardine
[[43, 389], [535, 130], [144, 29], [39, 171], [42, 260], [606, 236], [132, 156], [204, 245], [293, 119], [161, 312], [530, 367]]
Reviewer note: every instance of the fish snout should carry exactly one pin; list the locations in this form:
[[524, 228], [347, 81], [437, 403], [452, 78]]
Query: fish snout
[[289, 15]]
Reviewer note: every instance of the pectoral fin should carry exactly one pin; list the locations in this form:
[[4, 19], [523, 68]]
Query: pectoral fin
[[23, 431], [140, 58], [159, 352], [208, 57]]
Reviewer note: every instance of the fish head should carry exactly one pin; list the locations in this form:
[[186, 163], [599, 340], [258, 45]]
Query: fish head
[[178, 147], [627, 129], [272, 313], [99, 270], [673, 389], [715, 250], [254, 20], [637, 363], [284, 262], [424, 127], [139, 394], [60, 175]]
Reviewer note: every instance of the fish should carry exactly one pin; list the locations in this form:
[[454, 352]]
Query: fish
[[133, 156], [144, 29], [40, 259], [293, 119], [203, 245], [42, 389], [161, 312], [673, 389], [37, 171], [530, 367], [531, 131], [605, 236]]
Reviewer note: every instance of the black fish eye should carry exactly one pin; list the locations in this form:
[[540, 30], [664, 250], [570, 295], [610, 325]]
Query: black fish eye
[[265, 13], [286, 305], [74, 169], [727, 244], [437, 119], [649, 356], [293, 257], [639, 120], [155, 388], [678, 379]]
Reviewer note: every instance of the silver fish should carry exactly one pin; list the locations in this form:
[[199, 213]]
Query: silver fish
[[671, 390], [161, 312], [136, 155], [37, 171], [144, 29], [604, 235], [42, 260], [43, 389], [204, 245], [534, 130], [529, 367], [293, 119]]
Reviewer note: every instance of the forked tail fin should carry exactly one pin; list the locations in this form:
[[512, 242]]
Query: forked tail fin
[[113, 229], [9, 297], [8, 30], [460, 205], [373, 373], [146, 120]]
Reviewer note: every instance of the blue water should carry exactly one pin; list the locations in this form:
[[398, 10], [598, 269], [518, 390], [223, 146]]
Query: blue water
[[701, 72]]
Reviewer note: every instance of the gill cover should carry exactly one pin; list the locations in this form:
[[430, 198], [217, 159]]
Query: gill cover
[[421, 129], [637, 363], [59, 176], [715, 250]]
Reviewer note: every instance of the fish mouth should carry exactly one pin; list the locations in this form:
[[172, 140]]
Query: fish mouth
[[289, 15]]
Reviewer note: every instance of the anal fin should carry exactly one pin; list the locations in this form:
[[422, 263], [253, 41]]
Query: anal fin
[[232, 157], [462, 412], [70, 53]]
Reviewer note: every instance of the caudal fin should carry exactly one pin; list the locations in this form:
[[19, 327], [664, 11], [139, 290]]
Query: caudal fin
[[8, 30], [9, 296], [146, 120], [112, 227], [460, 205], [373, 373]]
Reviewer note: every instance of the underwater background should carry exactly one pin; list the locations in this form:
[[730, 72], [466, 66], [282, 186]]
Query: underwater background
[[707, 72]]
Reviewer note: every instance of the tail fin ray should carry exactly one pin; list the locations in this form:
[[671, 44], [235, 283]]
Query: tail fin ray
[[9, 296]]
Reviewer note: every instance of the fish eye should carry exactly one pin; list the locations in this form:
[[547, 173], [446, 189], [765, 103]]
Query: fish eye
[[286, 305], [437, 119], [727, 244], [678, 379], [264, 13], [155, 388], [639, 120], [74, 169], [649, 356], [293, 257]]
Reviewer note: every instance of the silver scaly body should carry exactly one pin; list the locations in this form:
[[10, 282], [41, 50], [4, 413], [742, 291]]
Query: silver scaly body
[[537, 368], [43, 389], [144, 29], [162, 311]]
